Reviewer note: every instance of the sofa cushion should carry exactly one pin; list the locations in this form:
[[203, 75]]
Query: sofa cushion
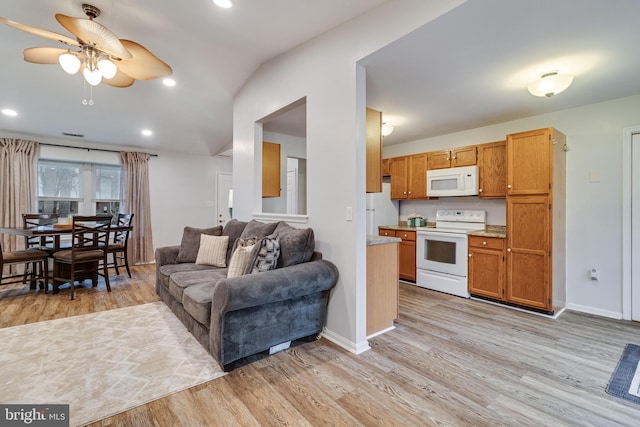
[[233, 229], [167, 270], [239, 260], [296, 244], [264, 256], [196, 301], [178, 282], [258, 229], [191, 242], [213, 250]]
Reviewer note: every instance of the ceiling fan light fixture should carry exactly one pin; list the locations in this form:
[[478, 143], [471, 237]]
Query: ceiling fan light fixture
[[550, 83], [69, 62], [107, 68], [386, 129], [93, 77]]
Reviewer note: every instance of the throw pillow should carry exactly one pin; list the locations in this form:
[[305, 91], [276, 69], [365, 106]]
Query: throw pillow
[[191, 242], [239, 261], [233, 228], [213, 250], [264, 256], [296, 244], [260, 229]]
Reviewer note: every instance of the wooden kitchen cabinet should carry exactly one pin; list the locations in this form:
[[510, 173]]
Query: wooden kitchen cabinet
[[536, 194], [386, 167], [409, 176], [270, 169], [374, 151], [457, 157], [487, 267], [492, 170], [407, 249]]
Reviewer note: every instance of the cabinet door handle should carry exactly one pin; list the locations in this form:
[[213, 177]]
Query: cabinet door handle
[[455, 157], [404, 192], [508, 249], [484, 243], [509, 186], [480, 190], [469, 255], [409, 192]]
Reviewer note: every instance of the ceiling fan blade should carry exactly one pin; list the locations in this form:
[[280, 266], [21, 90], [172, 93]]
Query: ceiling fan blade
[[43, 55], [40, 32], [92, 33], [119, 80], [144, 65]]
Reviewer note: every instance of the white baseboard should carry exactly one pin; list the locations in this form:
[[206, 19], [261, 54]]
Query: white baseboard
[[596, 311], [348, 345]]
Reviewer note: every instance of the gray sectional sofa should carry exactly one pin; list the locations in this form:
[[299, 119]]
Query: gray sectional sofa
[[237, 318]]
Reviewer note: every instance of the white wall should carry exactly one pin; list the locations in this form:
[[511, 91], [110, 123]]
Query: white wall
[[325, 72], [594, 209], [182, 186]]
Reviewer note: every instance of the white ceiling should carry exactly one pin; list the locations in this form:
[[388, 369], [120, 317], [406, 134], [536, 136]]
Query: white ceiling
[[466, 69], [212, 51]]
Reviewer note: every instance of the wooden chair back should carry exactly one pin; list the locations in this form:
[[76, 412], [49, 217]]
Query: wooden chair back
[[36, 220]]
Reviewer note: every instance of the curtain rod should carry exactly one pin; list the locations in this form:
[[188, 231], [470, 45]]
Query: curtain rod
[[89, 149]]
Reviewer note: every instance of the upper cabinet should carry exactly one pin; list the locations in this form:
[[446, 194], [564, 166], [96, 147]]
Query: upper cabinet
[[374, 151], [409, 176], [492, 170], [270, 169], [457, 157], [529, 158]]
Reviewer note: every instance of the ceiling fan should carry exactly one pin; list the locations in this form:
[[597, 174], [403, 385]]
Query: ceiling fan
[[96, 50]]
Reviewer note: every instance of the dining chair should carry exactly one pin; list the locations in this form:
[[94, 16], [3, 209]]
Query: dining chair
[[119, 244], [87, 257], [44, 243], [35, 261]]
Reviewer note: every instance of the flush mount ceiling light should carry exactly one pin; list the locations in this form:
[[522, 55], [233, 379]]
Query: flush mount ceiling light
[[9, 112], [386, 129], [550, 84], [225, 4]]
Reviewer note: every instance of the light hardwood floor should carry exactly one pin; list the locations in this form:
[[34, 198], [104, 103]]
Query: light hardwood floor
[[450, 361]]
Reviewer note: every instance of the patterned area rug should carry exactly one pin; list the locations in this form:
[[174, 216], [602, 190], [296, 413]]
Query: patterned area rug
[[625, 381], [102, 363]]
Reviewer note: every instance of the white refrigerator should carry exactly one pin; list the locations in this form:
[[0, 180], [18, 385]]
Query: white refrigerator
[[381, 210]]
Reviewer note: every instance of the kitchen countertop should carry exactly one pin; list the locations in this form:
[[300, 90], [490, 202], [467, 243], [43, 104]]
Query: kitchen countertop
[[499, 231], [381, 240]]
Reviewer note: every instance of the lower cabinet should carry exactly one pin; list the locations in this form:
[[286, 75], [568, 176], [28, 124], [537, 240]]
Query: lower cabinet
[[487, 267], [382, 286], [407, 248]]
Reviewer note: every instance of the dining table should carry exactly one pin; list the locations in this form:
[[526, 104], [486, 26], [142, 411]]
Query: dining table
[[57, 231]]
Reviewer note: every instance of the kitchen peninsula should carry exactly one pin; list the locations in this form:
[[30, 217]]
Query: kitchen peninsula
[[382, 283]]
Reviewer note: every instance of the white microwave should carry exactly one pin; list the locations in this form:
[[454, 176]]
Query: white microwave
[[450, 182]]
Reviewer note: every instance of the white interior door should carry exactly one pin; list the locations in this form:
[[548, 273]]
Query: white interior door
[[635, 227], [223, 185]]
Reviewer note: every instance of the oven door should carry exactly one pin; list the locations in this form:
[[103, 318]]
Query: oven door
[[442, 252]]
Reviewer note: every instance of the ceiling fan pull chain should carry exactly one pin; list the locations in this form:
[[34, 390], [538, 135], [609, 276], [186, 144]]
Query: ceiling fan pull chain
[[84, 93]]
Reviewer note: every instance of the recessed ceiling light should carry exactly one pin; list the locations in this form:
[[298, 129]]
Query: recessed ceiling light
[[226, 4], [9, 112], [146, 132], [169, 82]]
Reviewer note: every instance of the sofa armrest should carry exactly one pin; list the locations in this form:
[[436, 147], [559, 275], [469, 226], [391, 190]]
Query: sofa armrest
[[167, 255], [281, 284]]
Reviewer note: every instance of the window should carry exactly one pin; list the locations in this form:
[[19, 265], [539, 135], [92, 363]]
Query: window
[[66, 188]]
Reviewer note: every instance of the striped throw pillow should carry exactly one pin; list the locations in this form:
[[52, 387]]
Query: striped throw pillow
[[213, 250]]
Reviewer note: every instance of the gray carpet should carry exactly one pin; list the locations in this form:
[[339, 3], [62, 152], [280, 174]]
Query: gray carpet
[[625, 381]]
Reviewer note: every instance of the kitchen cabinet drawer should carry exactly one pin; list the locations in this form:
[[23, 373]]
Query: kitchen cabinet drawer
[[406, 235], [386, 232], [487, 242]]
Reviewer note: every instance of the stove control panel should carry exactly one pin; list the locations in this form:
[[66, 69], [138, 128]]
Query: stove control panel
[[452, 215]]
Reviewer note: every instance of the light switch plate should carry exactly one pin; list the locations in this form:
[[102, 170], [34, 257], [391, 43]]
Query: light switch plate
[[349, 213]]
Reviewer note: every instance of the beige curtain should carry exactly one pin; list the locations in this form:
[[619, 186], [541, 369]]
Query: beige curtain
[[135, 182], [17, 186]]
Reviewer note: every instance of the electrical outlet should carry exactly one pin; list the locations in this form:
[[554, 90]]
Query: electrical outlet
[[595, 274]]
